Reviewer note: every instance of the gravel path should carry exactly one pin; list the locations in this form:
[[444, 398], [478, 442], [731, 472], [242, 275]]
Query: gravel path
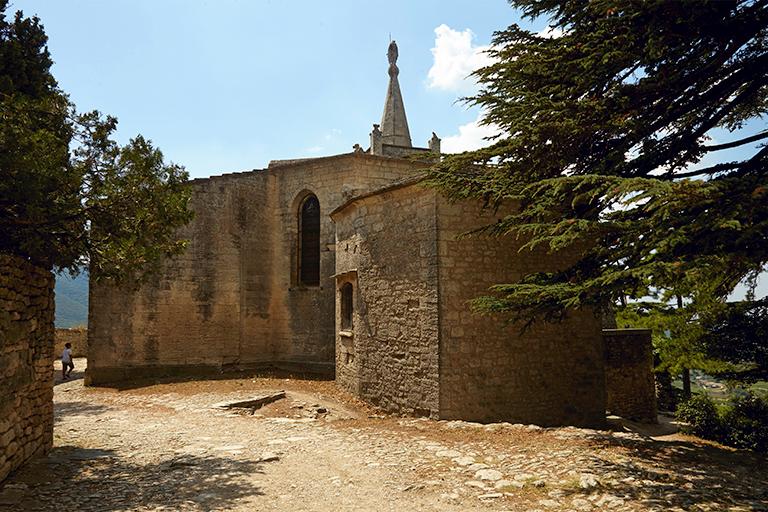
[[166, 447]]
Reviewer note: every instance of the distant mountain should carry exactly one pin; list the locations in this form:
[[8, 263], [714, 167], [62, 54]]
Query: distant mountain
[[71, 300]]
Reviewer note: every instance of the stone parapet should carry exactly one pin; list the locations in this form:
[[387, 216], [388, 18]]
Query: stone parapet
[[106, 376]]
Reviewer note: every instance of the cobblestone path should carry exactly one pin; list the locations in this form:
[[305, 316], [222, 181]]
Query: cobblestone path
[[165, 447]]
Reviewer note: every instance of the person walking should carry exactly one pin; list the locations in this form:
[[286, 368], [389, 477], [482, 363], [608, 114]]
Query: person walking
[[66, 361]]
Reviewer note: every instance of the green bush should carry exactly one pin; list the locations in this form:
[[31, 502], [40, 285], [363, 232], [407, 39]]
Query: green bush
[[742, 424], [746, 423], [700, 413]]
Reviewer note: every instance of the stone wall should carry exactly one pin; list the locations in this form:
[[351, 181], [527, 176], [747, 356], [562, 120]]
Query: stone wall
[[386, 248], [77, 336], [417, 348], [629, 382], [232, 299], [550, 374], [26, 354]]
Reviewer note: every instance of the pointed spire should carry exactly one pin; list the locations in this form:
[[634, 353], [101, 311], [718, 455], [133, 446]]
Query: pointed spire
[[394, 124]]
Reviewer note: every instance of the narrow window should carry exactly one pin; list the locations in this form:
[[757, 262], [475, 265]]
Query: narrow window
[[346, 307], [309, 242]]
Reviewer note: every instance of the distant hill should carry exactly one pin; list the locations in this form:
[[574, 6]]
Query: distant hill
[[71, 300]]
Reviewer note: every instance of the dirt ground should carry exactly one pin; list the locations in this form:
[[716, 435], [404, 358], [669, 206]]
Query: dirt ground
[[167, 446]]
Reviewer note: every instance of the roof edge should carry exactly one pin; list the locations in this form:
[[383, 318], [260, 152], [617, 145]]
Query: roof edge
[[406, 182], [225, 175], [281, 164]]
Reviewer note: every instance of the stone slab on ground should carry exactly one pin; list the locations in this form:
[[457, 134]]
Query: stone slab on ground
[[251, 403]]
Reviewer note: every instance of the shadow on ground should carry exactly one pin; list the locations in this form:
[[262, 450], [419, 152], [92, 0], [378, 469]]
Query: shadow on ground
[[80, 479], [679, 473], [77, 374], [79, 408]]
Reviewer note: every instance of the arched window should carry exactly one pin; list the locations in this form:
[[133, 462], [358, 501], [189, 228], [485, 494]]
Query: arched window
[[346, 307], [309, 242]]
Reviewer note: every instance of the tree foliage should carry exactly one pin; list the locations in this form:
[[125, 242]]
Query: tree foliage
[[71, 196], [675, 313], [603, 134], [739, 335]]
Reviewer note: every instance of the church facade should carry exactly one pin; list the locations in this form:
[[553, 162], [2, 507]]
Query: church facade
[[346, 265]]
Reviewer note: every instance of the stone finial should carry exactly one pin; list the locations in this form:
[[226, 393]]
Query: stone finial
[[376, 141], [392, 57], [357, 148], [434, 143]]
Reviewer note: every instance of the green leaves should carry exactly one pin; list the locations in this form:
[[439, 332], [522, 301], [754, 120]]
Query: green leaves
[[601, 127], [38, 188], [132, 200], [70, 196], [738, 334]]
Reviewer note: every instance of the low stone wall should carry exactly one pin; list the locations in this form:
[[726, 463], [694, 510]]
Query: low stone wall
[[629, 383], [26, 352], [115, 374], [77, 336]]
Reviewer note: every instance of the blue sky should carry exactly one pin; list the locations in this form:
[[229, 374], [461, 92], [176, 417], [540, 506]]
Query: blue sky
[[227, 85]]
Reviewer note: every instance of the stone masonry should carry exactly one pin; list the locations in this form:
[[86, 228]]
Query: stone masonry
[[26, 352], [549, 374], [233, 300], [416, 347], [347, 264], [386, 249]]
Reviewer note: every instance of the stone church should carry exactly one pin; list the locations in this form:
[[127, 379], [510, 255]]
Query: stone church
[[346, 265]]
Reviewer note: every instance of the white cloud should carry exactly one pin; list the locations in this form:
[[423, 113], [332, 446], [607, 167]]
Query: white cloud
[[455, 58], [471, 136], [550, 32]]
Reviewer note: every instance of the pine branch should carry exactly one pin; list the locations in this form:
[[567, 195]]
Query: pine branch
[[736, 143]]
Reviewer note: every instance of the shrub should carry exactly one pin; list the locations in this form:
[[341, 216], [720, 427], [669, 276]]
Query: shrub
[[700, 413], [742, 424], [746, 423]]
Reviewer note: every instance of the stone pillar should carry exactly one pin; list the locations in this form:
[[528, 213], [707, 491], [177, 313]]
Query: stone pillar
[[629, 383], [434, 144], [376, 142]]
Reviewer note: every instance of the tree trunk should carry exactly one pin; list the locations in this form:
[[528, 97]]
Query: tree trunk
[[686, 383], [686, 371]]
